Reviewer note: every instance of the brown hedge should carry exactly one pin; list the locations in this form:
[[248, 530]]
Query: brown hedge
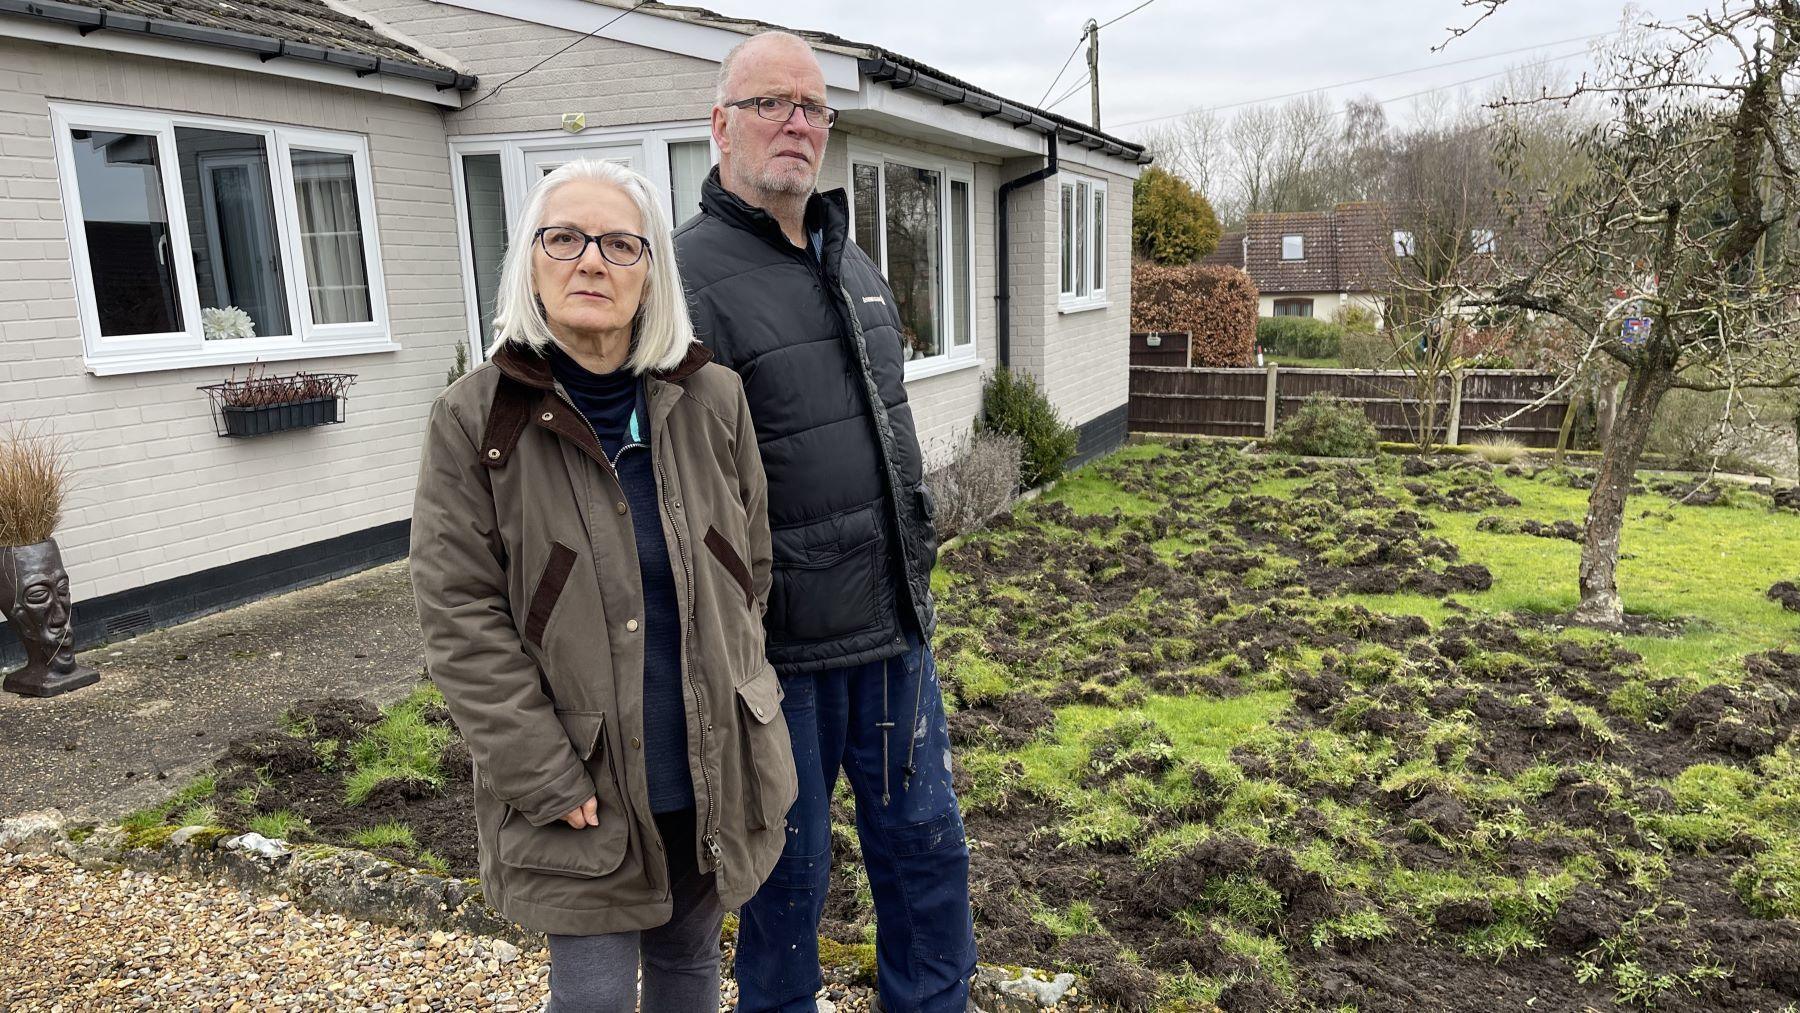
[[1216, 304]]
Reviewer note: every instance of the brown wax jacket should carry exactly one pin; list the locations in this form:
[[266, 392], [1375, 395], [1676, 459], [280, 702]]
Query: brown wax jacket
[[526, 575]]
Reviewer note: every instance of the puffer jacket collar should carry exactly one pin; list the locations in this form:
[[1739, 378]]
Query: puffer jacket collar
[[827, 212]]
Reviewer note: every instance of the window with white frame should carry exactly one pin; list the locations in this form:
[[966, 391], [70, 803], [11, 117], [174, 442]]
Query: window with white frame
[[1403, 243], [1293, 247], [202, 241], [915, 220], [494, 174], [1082, 204], [1481, 240]]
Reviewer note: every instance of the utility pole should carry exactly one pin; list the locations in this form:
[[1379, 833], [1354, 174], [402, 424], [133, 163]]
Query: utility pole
[[1092, 30]]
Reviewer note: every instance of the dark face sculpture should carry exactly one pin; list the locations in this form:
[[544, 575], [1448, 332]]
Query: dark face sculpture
[[39, 606]]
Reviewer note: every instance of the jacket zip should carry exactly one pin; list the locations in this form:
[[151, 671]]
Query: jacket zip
[[710, 838], [707, 835]]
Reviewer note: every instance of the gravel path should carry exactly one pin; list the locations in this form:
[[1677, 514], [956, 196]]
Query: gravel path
[[80, 941]]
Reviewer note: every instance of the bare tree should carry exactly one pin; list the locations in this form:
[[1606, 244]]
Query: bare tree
[[1192, 146], [1682, 226]]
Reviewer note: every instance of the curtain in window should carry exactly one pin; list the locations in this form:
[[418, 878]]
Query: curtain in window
[[689, 162], [331, 241]]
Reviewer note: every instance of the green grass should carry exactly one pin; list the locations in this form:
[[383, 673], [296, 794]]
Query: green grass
[[386, 835], [281, 825], [403, 745]]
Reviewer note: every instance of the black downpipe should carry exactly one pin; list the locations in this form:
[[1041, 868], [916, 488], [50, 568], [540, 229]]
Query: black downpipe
[[1003, 288]]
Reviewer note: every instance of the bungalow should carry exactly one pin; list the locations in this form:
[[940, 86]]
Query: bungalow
[[191, 190]]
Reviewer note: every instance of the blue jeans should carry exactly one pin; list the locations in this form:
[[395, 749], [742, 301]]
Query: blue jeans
[[912, 842]]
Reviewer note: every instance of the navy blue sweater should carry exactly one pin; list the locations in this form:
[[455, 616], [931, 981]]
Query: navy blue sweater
[[611, 402]]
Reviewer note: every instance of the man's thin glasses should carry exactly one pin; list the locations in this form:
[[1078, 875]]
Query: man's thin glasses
[[779, 109], [621, 249]]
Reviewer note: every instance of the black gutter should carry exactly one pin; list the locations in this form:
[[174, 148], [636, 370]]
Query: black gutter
[[87, 20], [900, 76], [1003, 265]]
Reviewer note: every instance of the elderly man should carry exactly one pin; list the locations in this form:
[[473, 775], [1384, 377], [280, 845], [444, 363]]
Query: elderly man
[[780, 293]]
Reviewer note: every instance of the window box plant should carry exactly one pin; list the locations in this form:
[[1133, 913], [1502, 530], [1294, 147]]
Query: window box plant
[[260, 404]]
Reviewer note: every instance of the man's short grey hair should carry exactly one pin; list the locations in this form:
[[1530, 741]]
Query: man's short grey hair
[[662, 330], [727, 65]]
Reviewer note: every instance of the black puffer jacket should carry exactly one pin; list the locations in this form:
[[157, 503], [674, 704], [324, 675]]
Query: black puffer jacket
[[817, 342]]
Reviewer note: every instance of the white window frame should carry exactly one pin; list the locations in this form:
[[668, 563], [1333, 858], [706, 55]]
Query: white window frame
[[1404, 243], [518, 152], [1299, 239], [1482, 242], [187, 348], [1085, 292], [954, 356]]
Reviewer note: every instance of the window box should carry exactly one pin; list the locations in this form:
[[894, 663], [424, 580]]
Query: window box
[[260, 405]]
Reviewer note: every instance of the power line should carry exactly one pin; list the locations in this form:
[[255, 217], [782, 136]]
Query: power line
[[1067, 95], [1128, 13], [1366, 80], [1065, 67], [553, 56], [1472, 80]]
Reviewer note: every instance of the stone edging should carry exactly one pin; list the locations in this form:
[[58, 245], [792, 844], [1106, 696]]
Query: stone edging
[[356, 883]]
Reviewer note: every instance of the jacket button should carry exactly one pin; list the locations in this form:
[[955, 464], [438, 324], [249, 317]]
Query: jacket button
[[620, 507], [631, 625], [635, 744], [494, 454], [546, 416], [758, 710]]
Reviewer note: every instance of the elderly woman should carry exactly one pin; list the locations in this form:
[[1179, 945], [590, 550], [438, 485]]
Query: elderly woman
[[590, 554]]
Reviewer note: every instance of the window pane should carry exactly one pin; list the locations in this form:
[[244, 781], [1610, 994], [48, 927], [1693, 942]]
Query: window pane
[[1293, 247], [867, 201], [130, 251], [1099, 239], [1403, 243], [961, 277], [689, 162], [486, 199], [331, 240], [231, 225], [915, 237], [1068, 240], [1081, 239]]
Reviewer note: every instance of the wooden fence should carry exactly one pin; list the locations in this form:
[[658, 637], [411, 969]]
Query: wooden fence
[[1169, 396]]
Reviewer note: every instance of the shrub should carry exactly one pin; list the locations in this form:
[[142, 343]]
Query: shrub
[[1498, 449], [1370, 349], [1326, 426], [1171, 223], [978, 482], [1012, 402], [1217, 305], [1688, 432], [34, 480], [1306, 337]]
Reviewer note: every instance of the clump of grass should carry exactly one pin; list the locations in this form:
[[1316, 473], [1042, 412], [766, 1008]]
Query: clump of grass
[[34, 483], [386, 835], [1498, 449], [433, 863], [204, 815], [280, 825], [402, 746]]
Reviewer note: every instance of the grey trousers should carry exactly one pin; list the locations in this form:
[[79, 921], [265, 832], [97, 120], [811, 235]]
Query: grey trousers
[[680, 959]]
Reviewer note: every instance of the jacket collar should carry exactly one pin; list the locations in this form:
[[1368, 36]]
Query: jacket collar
[[530, 368], [827, 212]]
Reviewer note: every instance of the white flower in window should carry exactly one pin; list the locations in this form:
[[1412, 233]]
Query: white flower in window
[[220, 322]]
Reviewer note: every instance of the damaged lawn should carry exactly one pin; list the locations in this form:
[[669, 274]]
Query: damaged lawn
[[1272, 734]]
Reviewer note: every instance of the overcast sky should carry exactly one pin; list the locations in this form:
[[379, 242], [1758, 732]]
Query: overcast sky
[[1175, 55]]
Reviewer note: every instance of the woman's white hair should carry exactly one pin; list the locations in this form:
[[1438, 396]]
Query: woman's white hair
[[661, 331]]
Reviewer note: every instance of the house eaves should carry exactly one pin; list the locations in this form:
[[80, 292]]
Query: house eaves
[[305, 31]]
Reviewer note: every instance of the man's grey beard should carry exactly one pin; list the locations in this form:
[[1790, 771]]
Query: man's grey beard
[[785, 183]]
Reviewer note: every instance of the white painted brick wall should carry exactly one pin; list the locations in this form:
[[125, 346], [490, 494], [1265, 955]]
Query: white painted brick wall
[[157, 494]]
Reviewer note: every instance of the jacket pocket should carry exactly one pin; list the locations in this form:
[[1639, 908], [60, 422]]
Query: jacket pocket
[[770, 782], [831, 579], [556, 848], [733, 563], [549, 590]]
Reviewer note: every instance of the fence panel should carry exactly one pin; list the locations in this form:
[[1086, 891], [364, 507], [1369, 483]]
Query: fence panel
[[1238, 402], [1159, 348]]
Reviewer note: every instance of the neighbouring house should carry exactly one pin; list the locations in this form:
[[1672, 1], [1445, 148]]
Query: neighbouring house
[[343, 175]]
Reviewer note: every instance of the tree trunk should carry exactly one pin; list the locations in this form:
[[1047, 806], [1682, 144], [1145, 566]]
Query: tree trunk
[[1644, 391]]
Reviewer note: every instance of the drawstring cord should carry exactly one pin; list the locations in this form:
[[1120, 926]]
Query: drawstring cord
[[887, 726], [912, 744]]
